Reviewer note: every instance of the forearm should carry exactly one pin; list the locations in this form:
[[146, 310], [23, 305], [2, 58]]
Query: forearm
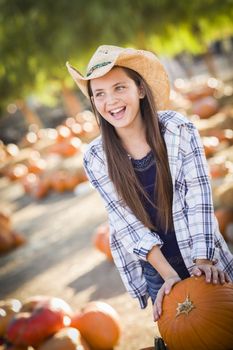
[[159, 262]]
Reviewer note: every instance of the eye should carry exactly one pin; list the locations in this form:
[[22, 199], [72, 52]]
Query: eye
[[120, 87], [99, 94]]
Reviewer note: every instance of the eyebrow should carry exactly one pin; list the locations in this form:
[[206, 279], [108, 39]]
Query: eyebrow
[[118, 83]]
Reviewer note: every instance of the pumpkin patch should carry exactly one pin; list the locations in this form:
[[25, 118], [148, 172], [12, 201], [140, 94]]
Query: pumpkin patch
[[48, 323]]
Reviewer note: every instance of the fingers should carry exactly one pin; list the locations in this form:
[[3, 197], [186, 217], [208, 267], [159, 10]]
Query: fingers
[[222, 277], [227, 278], [157, 310], [212, 274], [165, 289], [196, 271]]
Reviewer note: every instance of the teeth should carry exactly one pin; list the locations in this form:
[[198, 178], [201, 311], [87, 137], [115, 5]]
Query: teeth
[[117, 110]]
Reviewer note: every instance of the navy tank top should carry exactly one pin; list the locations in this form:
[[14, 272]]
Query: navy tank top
[[145, 170]]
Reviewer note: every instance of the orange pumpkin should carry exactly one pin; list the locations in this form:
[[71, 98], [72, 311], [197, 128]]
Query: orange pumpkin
[[36, 166], [67, 147], [200, 92], [218, 169], [205, 107], [18, 239], [72, 180], [99, 324], [76, 129], [198, 315], [6, 241], [5, 222], [17, 171], [211, 145], [58, 181], [225, 218], [101, 240], [63, 133], [38, 187], [66, 339]]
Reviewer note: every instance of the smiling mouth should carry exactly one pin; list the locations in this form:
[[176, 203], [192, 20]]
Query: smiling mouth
[[118, 112]]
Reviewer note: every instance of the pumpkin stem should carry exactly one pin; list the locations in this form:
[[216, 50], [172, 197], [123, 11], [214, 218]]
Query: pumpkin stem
[[185, 307]]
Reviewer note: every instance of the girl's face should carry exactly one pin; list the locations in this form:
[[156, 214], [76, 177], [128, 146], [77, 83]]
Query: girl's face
[[117, 98]]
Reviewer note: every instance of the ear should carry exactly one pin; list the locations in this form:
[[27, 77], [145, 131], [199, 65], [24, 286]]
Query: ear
[[142, 93]]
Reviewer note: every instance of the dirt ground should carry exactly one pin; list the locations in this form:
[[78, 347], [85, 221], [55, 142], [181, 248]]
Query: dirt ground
[[60, 260]]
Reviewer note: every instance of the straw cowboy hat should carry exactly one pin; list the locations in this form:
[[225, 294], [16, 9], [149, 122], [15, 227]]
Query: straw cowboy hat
[[143, 62]]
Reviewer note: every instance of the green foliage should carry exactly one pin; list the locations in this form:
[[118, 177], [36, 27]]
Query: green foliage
[[38, 37]]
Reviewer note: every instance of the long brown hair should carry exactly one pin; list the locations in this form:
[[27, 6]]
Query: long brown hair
[[120, 168]]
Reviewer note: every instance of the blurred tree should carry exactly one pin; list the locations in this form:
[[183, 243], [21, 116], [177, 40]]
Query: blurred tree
[[38, 37]]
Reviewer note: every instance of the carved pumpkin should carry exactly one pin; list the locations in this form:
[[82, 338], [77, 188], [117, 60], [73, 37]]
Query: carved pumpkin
[[65, 339], [99, 324], [198, 315], [101, 240]]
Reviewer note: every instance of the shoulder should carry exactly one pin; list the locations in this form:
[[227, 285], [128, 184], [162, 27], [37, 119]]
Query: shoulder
[[175, 122], [94, 153]]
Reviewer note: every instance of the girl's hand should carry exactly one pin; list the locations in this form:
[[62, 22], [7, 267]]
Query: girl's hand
[[164, 290], [212, 273]]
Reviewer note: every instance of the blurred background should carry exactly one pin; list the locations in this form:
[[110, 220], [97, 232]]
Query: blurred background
[[52, 238]]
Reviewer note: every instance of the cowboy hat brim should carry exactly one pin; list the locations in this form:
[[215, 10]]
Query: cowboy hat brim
[[143, 62]]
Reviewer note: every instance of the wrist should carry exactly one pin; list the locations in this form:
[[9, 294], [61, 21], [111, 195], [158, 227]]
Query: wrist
[[203, 262], [171, 275], [160, 263]]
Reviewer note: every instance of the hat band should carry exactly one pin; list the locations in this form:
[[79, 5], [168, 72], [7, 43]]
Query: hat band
[[91, 70]]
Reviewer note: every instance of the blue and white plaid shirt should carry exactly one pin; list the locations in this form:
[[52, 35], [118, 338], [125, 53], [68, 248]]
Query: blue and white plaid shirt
[[195, 225]]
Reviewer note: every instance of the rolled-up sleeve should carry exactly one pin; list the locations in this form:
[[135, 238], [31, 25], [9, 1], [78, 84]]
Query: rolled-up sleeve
[[199, 204], [135, 237]]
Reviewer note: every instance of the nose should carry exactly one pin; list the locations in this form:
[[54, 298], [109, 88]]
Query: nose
[[110, 99]]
